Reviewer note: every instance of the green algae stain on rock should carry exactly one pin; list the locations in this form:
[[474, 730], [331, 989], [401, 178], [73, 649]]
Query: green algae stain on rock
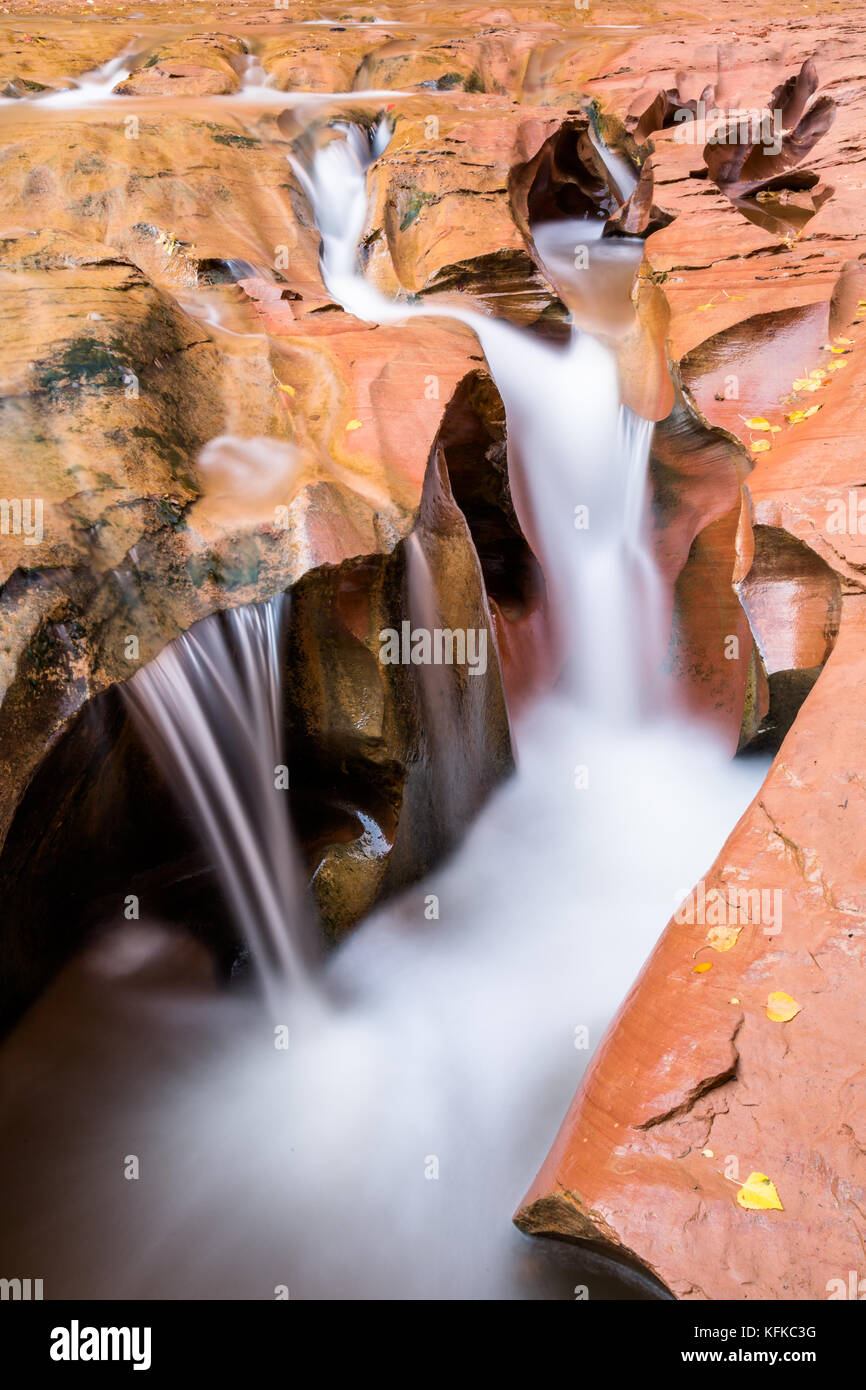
[[84, 362]]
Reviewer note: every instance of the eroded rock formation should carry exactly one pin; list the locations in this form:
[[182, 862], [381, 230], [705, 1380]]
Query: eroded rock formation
[[166, 321]]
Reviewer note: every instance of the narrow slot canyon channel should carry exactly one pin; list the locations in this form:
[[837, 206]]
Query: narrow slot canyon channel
[[431, 613]]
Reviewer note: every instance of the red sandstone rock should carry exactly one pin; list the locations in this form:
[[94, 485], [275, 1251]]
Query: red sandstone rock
[[694, 1088]]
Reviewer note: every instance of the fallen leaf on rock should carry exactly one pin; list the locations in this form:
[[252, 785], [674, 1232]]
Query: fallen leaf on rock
[[758, 423], [354, 425], [704, 965], [758, 1193], [759, 446], [836, 366], [781, 1008]]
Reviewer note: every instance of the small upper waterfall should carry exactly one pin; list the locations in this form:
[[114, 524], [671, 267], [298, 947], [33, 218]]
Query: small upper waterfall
[[95, 86]]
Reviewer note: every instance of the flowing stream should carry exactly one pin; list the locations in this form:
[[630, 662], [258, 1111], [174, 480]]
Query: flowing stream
[[382, 1153]]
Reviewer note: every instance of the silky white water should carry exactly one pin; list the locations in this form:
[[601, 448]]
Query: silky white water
[[211, 704], [383, 1152], [577, 459]]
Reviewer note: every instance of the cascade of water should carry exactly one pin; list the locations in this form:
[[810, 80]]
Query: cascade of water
[[577, 472], [252, 72], [459, 1048], [95, 86], [211, 704]]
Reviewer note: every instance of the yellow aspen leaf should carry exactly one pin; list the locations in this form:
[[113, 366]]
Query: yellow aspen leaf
[[847, 342], [354, 425], [818, 374], [760, 446], [289, 390], [802, 383], [795, 417], [711, 305], [781, 1008], [812, 410], [758, 423], [723, 938], [836, 366], [703, 967], [758, 1193], [707, 1153]]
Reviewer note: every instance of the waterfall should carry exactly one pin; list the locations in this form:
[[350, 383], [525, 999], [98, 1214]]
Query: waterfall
[[252, 73], [211, 705], [382, 1156], [94, 87], [577, 459]]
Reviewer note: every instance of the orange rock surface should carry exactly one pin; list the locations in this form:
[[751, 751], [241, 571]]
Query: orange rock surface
[[698, 1083]]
